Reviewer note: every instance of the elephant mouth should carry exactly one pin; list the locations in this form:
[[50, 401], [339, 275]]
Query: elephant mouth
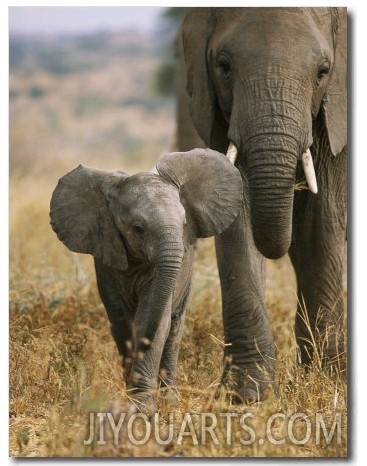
[[307, 164]]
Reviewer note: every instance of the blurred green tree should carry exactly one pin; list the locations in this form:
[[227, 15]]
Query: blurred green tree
[[164, 80]]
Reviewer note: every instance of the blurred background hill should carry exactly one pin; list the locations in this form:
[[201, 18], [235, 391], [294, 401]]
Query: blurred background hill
[[102, 97]]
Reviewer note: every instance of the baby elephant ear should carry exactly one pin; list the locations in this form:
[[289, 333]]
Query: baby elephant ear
[[80, 216], [210, 188]]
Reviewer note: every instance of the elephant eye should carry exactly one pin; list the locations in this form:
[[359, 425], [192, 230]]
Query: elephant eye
[[138, 230], [323, 70], [224, 65]]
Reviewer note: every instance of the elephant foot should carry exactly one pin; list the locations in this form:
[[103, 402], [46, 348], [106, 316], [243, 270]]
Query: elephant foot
[[243, 386], [327, 351], [168, 399], [144, 402]]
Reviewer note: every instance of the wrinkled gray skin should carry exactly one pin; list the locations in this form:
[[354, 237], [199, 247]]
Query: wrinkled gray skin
[[273, 81], [141, 230]]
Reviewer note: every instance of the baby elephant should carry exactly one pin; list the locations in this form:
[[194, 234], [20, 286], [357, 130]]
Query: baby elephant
[[141, 230]]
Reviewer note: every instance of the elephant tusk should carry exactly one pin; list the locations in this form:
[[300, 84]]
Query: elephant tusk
[[309, 170], [232, 153]]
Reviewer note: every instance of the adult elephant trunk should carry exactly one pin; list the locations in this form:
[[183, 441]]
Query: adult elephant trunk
[[271, 129], [167, 260], [271, 161]]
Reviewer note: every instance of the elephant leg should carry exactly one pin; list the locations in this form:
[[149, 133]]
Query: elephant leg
[[168, 366], [120, 319], [143, 379], [317, 253], [122, 334], [249, 352]]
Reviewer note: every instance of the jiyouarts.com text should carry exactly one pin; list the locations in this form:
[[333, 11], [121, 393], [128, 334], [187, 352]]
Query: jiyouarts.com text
[[219, 428]]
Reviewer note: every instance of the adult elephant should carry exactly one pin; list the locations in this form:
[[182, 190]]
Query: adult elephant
[[272, 83]]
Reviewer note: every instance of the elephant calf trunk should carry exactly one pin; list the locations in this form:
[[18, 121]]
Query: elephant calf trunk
[[167, 267]]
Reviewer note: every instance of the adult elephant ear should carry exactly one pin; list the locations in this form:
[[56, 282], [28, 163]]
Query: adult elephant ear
[[196, 32], [210, 188], [335, 106], [81, 218]]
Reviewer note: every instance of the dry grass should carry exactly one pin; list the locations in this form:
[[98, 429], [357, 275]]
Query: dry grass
[[63, 361], [64, 364]]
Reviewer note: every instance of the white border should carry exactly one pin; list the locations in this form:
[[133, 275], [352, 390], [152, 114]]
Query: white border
[[358, 181]]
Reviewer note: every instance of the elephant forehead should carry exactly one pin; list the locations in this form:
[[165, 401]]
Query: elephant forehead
[[270, 28], [150, 189], [230, 18]]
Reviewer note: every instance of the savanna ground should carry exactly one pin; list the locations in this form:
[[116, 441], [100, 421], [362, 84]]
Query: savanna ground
[[91, 100]]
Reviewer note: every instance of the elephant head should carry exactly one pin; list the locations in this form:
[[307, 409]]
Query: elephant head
[[147, 218], [267, 80]]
